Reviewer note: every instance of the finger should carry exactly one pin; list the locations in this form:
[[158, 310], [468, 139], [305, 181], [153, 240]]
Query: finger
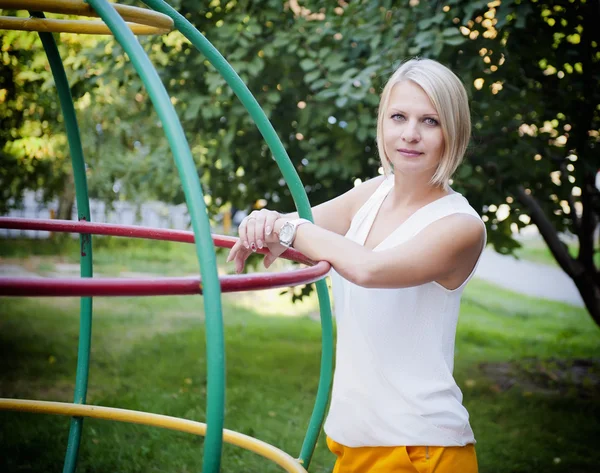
[[240, 259], [271, 238], [250, 233], [233, 251], [242, 233], [239, 265], [259, 228], [269, 260], [270, 222]]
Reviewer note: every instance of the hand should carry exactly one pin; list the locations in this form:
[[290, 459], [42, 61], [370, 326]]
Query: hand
[[272, 241], [256, 227], [257, 231]]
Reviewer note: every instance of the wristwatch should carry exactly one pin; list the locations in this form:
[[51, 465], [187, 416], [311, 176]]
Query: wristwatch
[[287, 234]]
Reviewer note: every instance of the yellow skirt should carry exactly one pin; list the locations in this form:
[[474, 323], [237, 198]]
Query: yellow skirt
[[403, 459]]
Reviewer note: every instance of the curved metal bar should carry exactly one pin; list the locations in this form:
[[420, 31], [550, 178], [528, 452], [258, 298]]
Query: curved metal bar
[[83, 213], [51, 25], [140, 16], [287, 462], [299, 195], [200, 223], [132, 231], [70, 287]]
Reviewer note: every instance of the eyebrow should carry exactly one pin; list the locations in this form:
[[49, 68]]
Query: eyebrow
[[396, 109]]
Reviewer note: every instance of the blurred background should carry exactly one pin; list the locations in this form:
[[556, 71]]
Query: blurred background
[[528, 344]]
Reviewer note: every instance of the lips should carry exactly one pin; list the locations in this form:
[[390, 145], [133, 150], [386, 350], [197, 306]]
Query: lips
[[411, 153]]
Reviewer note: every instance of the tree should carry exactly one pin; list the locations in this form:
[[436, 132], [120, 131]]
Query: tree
[[530, 66], [109, 101], [535, 70], [31, 155]]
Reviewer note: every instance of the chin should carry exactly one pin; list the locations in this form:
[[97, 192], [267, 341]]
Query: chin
[[415, 165], [414, 170]]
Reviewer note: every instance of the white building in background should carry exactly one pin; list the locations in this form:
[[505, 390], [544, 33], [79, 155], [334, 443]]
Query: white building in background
[[148, 214]]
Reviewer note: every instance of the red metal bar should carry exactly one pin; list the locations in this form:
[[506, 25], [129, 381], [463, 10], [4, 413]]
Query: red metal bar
[[131, 231], [79, 287], [62, 287]]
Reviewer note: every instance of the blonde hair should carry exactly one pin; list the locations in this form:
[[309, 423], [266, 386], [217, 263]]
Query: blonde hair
[[449, 98]]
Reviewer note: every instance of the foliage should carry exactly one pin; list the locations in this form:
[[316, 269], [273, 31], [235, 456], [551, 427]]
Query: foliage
[[32, 156], [537, 123], [530, 66]]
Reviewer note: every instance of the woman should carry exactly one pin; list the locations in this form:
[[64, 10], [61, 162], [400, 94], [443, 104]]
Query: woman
[[402, 246]]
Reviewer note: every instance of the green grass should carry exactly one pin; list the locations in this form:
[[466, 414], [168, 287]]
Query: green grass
[[537, 251], [112, 255], [514, 357]]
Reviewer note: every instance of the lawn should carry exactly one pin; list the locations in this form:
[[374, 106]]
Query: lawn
[[536, 250], [529, 371]]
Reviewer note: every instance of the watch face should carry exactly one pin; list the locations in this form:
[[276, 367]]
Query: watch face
[[286, 233]]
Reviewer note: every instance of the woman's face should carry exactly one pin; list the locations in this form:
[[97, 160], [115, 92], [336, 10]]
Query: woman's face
[[412, 133]]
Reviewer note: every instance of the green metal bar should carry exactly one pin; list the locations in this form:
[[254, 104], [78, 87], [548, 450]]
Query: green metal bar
[[205, 250], [300, 199], [83, 212]]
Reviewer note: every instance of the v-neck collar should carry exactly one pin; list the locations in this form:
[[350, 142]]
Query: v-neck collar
[[377, 208]]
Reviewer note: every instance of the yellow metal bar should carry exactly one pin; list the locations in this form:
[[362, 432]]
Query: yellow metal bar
[[287, 462], [142, 16], [71, 26]]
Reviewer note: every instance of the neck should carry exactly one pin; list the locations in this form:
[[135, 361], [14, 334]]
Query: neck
[[415, 190]]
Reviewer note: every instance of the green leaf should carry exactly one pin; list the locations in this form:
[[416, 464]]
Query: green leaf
[[324, 52], [340, 102], [318, 84], [334, 62], [273, 97], [312, 76], [434, 20], [193, 107], [456, 40], [254, 29], [449, 32], [352, 125], [348, 74], [308, 64], [424, 38], [326, 93]]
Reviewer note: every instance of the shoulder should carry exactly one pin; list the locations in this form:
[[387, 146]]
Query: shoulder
[[461, 231]]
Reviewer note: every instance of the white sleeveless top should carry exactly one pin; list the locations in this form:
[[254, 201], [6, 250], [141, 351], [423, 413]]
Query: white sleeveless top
[[393, 383]]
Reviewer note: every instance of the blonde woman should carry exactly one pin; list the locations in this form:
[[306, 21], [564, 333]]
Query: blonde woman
[[402, 247]]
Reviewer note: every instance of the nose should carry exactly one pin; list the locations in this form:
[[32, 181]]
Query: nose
[[410, 133]]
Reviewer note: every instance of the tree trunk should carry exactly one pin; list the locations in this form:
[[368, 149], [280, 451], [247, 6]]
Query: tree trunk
[[590, 292], [66, 199], [585, 277]]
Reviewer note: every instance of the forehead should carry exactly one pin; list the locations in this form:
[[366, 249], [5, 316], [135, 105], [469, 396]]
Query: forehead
[[406, 95]]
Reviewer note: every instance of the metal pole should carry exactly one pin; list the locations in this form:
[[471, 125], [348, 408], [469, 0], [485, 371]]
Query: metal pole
[[205, 250], [83, 213], [300, 198]]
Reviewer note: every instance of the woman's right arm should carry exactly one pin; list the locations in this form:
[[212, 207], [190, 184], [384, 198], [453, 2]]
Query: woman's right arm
[[334, 215]]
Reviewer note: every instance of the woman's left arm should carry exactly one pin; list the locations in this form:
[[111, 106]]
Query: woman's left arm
[[445, 248]]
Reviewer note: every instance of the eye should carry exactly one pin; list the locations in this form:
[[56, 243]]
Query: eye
[[397, 116], [431, 121]]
